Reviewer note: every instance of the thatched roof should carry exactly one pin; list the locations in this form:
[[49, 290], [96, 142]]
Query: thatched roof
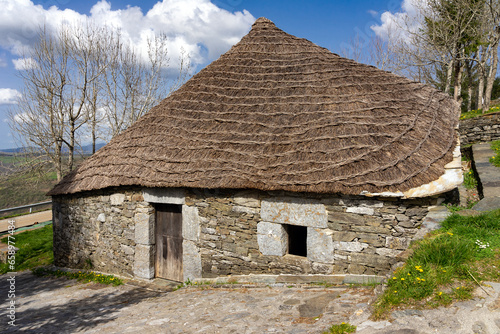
[[277, 112]]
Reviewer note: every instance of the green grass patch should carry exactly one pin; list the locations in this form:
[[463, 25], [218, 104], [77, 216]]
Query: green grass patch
[[443, 266], [35, 249], [479, 112], [341, 329], [495, 146], [470, 181], [81, 276]]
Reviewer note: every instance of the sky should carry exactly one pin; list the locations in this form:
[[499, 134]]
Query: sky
[[202, 28]]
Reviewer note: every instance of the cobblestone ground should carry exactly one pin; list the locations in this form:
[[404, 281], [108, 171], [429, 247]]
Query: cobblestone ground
[[57, 305]]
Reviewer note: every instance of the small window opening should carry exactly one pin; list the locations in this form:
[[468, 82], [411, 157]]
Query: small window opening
[[297, 240]]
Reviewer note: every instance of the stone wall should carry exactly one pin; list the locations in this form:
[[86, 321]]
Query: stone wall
[[480, 129], [98, 230], [242, 232], [230, 232]]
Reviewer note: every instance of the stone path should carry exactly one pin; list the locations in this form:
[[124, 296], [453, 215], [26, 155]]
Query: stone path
[[58, 305], [489, 176], [26, 220]]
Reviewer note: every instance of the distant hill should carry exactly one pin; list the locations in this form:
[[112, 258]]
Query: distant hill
[[87, 149]]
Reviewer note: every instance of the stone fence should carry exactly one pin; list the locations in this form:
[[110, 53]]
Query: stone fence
[[480, 129]]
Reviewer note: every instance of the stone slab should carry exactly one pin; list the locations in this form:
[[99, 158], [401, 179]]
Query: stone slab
[[144, 266], [320, 245], [272, 239], [164, 195], [487, 204], [191, 260], [144, 228], [294, 211], [117, 199], [190, 223]]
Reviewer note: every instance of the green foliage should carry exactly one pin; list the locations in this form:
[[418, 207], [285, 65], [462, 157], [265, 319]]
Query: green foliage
[[445, 250], [455, 208], [479, 112], [341, 329], [440, 269], [470, 181], [495, 92], [495, 146], [82, 276], [35, 249]]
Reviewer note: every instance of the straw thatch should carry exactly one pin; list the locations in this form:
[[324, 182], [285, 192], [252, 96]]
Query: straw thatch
[[277, 112]]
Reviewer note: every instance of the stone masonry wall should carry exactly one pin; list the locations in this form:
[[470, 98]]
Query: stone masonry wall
[[98, 229], [229, 232], [480, 129], [345, 234]]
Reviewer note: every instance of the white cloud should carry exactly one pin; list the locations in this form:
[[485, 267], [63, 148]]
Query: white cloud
[[373, 13], [201, 28], [24, 63], [394, 24], [9, 96]]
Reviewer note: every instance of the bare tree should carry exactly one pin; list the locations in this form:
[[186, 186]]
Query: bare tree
[[491, 24], [132, 85], [79, 75], [40, 115]]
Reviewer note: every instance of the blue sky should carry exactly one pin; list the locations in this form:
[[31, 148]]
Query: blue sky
[[205, 29]]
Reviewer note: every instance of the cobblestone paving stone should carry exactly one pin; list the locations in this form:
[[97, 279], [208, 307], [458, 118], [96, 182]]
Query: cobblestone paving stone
[[58, 305]]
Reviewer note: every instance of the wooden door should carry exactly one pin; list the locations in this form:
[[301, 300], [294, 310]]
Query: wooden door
[[168, 262]]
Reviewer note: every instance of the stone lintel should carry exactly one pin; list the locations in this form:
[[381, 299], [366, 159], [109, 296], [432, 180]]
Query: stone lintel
[[294, 211], [164, 195]]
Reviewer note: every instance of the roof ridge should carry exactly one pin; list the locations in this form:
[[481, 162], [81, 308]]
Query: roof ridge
[[262, 21]]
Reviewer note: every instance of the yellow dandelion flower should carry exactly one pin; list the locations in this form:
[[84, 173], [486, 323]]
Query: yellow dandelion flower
[[440, 293], [395, 291], [394, 277], [449, 233], [402, 278]]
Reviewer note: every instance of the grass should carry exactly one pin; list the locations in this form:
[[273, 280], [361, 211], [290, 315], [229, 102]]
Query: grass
[[35, 249], [443, 266], [470, 181], [479, 112], [35, 252], [25, 188], [341, 329], [495, 146], [82, 276]]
